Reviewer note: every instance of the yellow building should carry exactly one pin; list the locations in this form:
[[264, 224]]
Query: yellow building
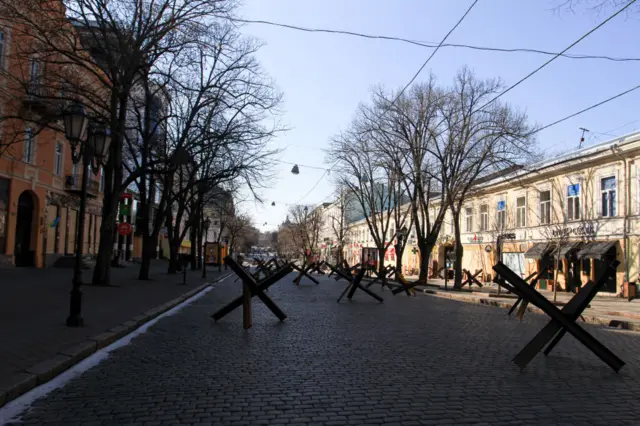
[[582, 207]]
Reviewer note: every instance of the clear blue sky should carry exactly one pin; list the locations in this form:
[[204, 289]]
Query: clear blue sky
[[323, 77]]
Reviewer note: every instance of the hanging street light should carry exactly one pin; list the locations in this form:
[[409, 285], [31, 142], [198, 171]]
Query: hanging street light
[[93, 151], [295, 170], [273, 203]]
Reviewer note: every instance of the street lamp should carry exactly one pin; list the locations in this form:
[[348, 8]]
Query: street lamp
[[295, 170], [93, 151], [205, 224]]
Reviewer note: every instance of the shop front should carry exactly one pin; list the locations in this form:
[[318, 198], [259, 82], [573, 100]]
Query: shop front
[[572, 264]]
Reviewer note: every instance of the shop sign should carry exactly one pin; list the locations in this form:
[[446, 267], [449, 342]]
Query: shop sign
[[475, 239], [587, 229], [508, 236]]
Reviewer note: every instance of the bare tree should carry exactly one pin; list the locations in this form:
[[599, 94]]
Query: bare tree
[[305, 229], [214, 96], [597, 6], [367, 177], [238, 227], [338, 217], [475, 137], [400, 127]]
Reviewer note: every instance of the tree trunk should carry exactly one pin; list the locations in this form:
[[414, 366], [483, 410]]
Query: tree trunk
[[173, 259], [424, 247], [399, 253], [457, 265], [381, 252], [149, 243]]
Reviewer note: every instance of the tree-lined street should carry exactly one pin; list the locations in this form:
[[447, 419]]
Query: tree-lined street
[[355, 362]]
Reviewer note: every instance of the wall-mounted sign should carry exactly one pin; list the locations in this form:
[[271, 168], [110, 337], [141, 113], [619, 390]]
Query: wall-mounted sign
[[475, 239], [586, 229], [488, 248], [509, 236]]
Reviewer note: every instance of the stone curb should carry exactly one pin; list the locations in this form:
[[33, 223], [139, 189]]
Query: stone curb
[[46, 370], [591, 319]]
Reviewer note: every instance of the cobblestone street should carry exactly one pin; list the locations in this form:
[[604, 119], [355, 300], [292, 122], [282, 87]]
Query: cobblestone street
[[409, 361]]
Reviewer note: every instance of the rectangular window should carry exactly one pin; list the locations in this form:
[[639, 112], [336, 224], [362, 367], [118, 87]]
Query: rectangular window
[[484, 217], [57, 161], [501, 219], [608, 188], [28, 146], [1, 50], [573, 202], [34, 70], [545, 207], [521, 212], [468, 219]]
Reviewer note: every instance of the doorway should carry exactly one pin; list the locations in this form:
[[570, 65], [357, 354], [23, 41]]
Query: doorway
[[24, 256]]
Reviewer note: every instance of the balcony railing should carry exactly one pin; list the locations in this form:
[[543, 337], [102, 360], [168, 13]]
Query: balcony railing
[[73, 183]]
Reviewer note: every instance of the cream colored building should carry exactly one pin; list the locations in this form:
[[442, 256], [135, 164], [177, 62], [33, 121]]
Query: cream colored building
[[585, 202]]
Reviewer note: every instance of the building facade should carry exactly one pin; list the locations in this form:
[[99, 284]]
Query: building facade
[[39, 184]]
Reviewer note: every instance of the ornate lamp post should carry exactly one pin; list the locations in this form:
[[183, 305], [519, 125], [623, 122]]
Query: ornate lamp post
[[206, 223], [93, 151]]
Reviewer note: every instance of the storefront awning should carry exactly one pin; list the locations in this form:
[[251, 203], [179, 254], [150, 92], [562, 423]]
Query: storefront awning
[[596, 249], [539, 250], [569, 249]]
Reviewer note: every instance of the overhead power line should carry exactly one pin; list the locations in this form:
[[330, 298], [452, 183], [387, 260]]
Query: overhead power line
[[431, 45], [434, 52], [586, 109], [522, 80]]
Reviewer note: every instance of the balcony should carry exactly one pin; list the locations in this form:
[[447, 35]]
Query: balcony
[[40, 99], [73, 184]]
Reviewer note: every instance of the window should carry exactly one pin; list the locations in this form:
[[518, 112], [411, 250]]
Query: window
[[521, 212], [1, 50], [501, 218], [468, 219], [545, 207], [484, 217], [573, 202], [74, 172], [34, 70], [608, 188], [57, 162], [28, 146]]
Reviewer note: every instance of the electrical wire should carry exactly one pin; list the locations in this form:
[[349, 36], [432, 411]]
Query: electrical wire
[[431, 45], [434, 52], [301, 165], [586, 109], [597, 27]]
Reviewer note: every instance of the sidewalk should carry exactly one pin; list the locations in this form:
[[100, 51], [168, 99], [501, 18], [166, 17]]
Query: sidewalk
[[604, 309], [34, 304]]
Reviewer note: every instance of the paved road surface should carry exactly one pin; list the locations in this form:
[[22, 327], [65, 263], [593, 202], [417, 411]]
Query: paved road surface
[[409, 361]]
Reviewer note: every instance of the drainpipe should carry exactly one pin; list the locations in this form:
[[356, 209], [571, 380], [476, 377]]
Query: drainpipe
[[615, 149]]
